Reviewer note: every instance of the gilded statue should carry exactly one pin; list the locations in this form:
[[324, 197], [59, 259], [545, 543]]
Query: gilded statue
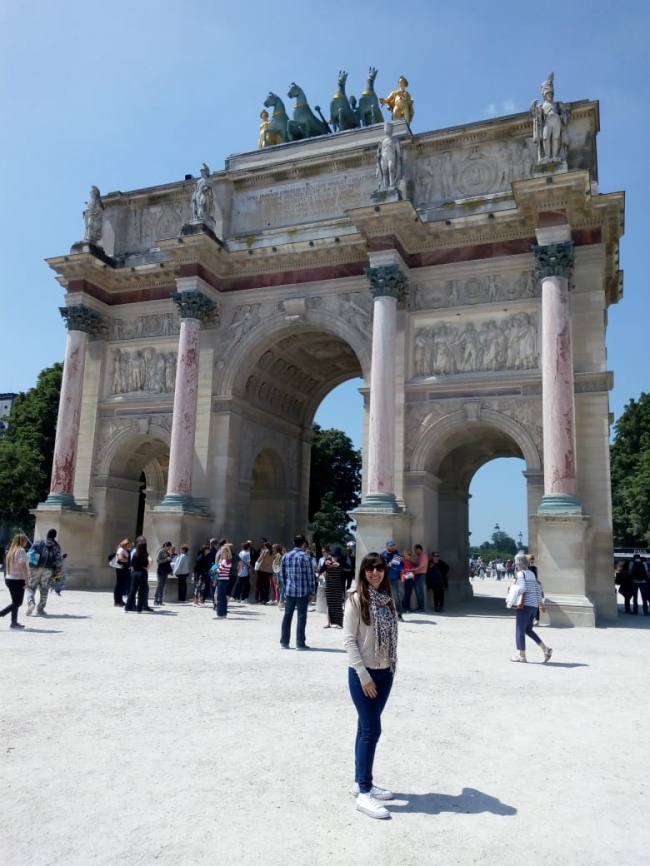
[[264, 126], [94, 217], [550, 122], [400, 102]]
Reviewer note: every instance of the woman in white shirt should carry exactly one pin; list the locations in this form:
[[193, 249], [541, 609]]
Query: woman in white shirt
[[16, 577], [531, 600], [370, 638]]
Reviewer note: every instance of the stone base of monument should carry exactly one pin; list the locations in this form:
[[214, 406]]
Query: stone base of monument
[[386, 196], [375, 528], [550, 166], [179, 524], [77, 533], [561, 562]]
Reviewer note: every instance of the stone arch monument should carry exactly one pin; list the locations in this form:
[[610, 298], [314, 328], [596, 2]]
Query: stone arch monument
[[471, 299]]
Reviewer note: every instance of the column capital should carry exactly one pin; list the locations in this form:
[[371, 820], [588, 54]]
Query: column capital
[[195, 305], [388, 281], [554, 260], [81, 318]]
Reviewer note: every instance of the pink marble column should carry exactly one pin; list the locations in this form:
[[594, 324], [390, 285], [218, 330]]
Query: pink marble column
[[80, 321], [194, 308], [554, 264], [388, 285]]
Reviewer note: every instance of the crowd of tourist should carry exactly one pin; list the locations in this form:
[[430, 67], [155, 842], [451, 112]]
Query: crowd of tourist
[[633, 579]]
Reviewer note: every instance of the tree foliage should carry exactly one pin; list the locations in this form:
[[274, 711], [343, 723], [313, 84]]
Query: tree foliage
[[630, 468], [27, 448], [330, 523], [335, 470]]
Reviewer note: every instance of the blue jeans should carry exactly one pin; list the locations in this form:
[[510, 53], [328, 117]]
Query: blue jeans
[[369, 724], [420, 591], [397, 596], [524, 626], [222, 604], [291, 603]]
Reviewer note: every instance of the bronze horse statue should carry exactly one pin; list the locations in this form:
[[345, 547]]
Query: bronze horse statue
[[341, 114], [369, 109], [305, 124]]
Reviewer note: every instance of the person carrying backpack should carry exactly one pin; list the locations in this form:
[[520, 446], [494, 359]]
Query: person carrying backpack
[[44, 559]]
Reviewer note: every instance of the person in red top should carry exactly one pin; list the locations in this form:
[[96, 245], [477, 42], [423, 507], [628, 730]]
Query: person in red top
[[420, 572]]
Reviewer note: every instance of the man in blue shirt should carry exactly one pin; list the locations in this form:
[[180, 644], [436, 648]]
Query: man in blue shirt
[[299, 579], [395, 568]]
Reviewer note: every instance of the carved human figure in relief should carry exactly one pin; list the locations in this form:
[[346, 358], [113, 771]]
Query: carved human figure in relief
[[94, 217], [389, 160], [550, 121], [203, 197], [355, 314], [400, 102]]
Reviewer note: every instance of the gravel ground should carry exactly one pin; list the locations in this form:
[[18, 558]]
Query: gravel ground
[[172, 738]]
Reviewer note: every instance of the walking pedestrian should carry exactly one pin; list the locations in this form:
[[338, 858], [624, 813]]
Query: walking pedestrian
[[140, 562], [16, 576], [370, 638], [299, 581], [44, 558], [531, 600], [437, 581]]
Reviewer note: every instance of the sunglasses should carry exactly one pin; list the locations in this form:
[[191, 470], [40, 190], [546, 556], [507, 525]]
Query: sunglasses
[[379, 568]]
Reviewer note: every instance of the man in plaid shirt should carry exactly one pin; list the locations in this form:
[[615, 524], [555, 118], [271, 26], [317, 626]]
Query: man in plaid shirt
[[299, 580]]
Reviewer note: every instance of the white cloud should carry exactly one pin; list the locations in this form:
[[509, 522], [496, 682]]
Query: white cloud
[[506, 106]]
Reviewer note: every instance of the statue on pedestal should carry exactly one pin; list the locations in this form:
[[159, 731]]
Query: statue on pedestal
[[203, 198], [400, 102], [93, 217], [390, 166], [550, 121], [264, 126]]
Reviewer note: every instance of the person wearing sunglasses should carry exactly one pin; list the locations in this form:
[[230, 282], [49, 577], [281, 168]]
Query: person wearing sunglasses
[[370, 639]]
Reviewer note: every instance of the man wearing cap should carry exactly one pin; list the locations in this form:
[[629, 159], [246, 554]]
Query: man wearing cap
[[395, 568]]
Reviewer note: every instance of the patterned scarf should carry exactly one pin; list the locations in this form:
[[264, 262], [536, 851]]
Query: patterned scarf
[[384, 620]]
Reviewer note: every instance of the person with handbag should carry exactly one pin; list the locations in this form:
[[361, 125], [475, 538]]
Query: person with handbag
[[370, 639], [121, 562], [16, 577], [530, 599]]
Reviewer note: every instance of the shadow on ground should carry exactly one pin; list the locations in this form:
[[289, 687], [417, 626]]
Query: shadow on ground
[[468, 802]]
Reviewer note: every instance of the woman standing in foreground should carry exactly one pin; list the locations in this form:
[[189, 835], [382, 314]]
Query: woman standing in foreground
[[531, 600], [16, 577], [370, 638]]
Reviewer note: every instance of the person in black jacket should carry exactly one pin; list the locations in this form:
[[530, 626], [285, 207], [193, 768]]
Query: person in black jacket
[[437, 581], [639, 576]]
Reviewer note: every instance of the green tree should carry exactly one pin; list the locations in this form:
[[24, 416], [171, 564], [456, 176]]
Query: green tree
[[335, 470], [27, 448], [330, 523], [630, 473]]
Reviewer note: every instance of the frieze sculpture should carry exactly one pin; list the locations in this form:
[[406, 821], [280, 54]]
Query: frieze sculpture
[[550, 121], [355, 314], [447, 349], [203, 198], [388, 281], [145, 370], [94, 217], [369, 110], [475, 290], [390, 164], [81, 318], [305, 122], [341, 114], [244, 318], [163, 325], [400, 102], [554, 260], [195, 305]]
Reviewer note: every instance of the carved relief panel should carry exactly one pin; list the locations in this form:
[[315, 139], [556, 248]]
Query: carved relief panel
[[147, 370], [489, 289]]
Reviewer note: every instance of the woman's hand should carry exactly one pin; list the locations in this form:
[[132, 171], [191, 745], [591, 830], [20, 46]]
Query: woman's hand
[[369, 689]]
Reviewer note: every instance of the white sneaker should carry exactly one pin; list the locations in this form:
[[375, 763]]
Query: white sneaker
[[367, 804], [375, 791]]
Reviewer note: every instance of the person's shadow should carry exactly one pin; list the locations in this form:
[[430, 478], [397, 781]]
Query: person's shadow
[[468, 802]]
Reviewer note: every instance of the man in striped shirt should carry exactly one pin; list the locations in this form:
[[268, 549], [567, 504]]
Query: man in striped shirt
[[299, 580]]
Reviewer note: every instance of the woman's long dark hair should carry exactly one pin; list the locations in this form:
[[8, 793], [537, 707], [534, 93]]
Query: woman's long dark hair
[[371, 560]]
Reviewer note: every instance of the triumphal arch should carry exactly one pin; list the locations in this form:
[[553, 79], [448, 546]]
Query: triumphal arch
[[464, 274]]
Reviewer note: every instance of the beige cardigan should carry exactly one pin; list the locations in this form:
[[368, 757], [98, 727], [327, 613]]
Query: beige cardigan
[[359, 641]]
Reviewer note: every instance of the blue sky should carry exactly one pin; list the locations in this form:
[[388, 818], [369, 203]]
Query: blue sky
[[126, 95]]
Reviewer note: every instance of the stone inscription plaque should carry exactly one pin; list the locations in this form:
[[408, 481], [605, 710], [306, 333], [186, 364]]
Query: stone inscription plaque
[[299, 202]]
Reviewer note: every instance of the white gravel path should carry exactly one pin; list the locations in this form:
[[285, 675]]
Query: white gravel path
[[173, 739]]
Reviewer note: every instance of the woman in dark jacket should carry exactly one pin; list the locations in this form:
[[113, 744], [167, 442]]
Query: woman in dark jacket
[[202, 565], [437, 581], [140, 562]]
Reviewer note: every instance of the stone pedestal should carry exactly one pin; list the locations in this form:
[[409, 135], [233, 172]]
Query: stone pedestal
[[76, 533], [180, 525], [375, 528], [561, 562]]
